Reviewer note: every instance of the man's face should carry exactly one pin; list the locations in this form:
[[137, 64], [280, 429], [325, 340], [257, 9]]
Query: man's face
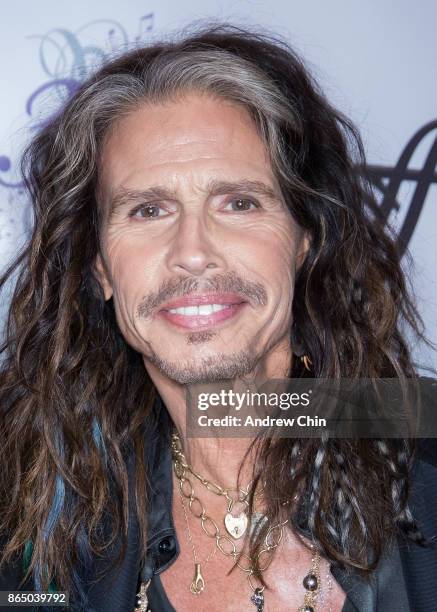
[[199, 251]]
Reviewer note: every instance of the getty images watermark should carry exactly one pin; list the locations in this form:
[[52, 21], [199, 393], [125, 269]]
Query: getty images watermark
[[307, 407], [238, 400]]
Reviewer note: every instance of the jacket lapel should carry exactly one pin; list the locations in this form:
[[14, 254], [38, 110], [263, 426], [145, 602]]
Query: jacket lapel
[[419, 564], [115, 590]]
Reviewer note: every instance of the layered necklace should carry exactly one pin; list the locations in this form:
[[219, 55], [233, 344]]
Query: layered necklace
[[235, 523]]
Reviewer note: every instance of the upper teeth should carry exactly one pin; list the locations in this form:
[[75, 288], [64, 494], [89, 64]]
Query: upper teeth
[[202, 309]]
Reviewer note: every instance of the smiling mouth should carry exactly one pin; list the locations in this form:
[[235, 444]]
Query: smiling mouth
[[202, 309], [202, 315]]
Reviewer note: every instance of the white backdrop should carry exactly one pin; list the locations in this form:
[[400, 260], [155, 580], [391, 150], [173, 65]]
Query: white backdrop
[[375, 59]]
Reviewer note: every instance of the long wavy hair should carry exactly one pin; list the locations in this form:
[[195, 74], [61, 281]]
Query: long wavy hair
[[74, 396]]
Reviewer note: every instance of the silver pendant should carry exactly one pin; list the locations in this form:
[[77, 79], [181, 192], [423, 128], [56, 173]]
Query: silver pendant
[[143, 601], [258, 599], [236, 525]]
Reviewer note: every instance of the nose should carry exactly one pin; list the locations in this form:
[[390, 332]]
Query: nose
[[193, 248]]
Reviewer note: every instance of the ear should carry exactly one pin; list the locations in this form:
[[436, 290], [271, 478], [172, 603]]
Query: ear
[[305, 243], [103, 277]]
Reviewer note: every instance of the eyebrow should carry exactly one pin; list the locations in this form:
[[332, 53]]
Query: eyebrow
[[124, 196]]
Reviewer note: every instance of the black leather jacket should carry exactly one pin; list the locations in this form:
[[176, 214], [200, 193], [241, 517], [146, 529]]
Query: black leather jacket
[[405, 580]]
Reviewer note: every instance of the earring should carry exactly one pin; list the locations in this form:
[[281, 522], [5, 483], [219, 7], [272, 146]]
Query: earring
[[306, 360], [298, 348]]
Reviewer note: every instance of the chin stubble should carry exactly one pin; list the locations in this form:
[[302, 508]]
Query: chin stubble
[[209, 369]]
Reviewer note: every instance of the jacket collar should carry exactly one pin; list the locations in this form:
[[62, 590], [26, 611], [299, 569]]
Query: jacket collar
[[406, 573]]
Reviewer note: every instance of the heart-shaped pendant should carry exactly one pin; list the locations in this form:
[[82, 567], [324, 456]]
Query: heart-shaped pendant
[[236, 525]]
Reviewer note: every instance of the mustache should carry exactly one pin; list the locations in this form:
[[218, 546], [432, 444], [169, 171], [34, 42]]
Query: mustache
[[253, 292]]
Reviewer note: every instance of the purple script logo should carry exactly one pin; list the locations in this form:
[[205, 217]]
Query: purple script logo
[[67, 58]]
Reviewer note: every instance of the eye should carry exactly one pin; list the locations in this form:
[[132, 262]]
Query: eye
[[242, 204], [146, 211]]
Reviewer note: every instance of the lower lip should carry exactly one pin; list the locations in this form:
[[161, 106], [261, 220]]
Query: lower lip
[[202, 321]]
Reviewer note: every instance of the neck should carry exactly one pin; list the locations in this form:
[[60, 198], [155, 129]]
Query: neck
[[215, 458]]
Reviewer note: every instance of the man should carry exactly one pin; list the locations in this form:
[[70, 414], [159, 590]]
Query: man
[[200, 219]]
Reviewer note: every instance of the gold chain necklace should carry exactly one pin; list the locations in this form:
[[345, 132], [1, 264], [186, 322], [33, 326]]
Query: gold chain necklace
[[235, 524], [227, 547], [198, 584]]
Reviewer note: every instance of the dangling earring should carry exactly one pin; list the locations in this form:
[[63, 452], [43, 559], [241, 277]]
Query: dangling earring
[[306, 360], [298, 349]]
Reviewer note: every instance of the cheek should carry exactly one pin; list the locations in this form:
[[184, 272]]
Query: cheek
[[276, 250], [130, 269], [272, 251]]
